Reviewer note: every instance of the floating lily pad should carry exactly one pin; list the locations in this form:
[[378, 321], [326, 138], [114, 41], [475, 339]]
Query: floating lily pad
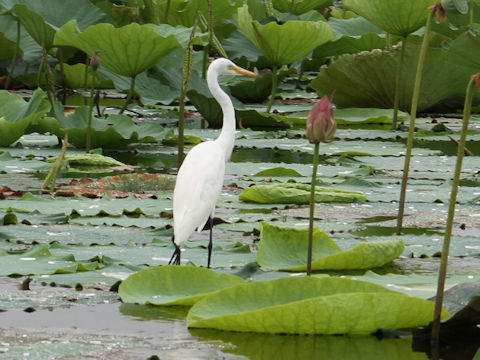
[[40, 261], [291, 193], [285, 248], [174, 285], [309, 305]]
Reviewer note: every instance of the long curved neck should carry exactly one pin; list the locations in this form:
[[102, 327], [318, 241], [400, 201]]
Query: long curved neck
[[227, 135]]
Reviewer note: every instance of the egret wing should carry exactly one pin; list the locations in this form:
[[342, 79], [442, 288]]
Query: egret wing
[[199, 183]]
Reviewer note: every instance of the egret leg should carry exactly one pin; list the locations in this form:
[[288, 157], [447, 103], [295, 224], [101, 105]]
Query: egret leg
[[210, 219], [175, 259]]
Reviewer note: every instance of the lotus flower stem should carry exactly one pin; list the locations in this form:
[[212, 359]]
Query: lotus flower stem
[[413, 114], [88, 141], [274, 88], [398, 83], [15, 55], [130, 94], [312, 208], [451, 212], [186, 74]]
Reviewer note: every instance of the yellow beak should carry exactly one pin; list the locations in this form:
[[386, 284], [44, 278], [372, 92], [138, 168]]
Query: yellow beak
[[243, 71]]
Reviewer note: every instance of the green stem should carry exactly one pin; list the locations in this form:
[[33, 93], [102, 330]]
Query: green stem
[[312, 209], [269, 8], [88, 141], [398, 83], [186, 74], [413, 115], [15, 55], [167, 10], [470, 12], [451, 213], [274, 88], [130, 94]]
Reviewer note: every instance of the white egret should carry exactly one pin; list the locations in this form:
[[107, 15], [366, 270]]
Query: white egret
[[200, 178]]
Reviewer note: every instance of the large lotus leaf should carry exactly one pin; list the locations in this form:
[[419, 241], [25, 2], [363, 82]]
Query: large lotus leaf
[[39, 261], [398, 17], [185, 12], [30, 49], [351, 36], [286, 43], [300, 7], [8, 48], [366, 79], [294, 193], [37, 27], [75, 77], [257, 346], [310, 305], [128, 51], [111, 132], [352, 116], [285, 248], [16, 114], [58, 12], [174, 285]]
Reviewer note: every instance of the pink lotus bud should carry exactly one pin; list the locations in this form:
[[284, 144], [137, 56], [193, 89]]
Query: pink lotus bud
[[321, 125], [476, 78], [95, 61]]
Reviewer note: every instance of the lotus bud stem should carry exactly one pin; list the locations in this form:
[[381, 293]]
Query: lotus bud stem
[[474, 82], [321, 127]]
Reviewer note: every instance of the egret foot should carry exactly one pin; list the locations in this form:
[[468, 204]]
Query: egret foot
[[175, 259]]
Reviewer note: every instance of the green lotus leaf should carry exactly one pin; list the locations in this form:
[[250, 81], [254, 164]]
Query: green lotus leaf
[[111, 132], [75, 77], [286, 43], [8, 48], [16, 114], [174, 285], [31, 51], [285, 248], [351, 36], [37, 27], [347, 74], [398, 17], [185, 12], [58, 12], [40, 261], [279, 171], [128, 51], [351, 116], [300, 7], [310, 305], [90, 163], [293, 193]]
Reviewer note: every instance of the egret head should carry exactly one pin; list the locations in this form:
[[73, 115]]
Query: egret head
[[224, 66]]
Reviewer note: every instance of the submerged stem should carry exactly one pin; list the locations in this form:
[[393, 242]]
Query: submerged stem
[[451, 213], [312, 209], [274, 88], [413, 114], [398, 83]]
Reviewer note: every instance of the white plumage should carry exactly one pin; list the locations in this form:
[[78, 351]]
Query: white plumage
[[200, 178]]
